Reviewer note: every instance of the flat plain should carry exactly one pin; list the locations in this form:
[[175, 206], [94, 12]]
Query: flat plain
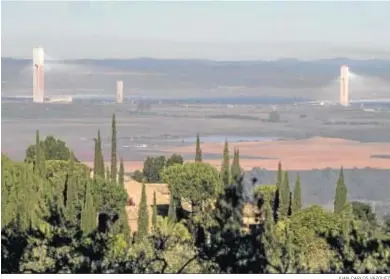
[[305, 137]]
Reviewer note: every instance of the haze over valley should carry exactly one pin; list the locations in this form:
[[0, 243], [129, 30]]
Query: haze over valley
[[153, 78]]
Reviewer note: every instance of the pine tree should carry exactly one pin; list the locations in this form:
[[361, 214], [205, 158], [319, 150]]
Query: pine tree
[[88, 214], [284, 195], [172, 210], [113, 151], [341, 194], [236, 168], [297, 199], [121, 176], [225, 167], [143, 216], [198, 152], [154, 212]]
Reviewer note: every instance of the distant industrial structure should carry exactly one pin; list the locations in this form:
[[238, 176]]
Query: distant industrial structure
[[38, 75], [119, 92], [38, 95], [344, 85], [39, 80]]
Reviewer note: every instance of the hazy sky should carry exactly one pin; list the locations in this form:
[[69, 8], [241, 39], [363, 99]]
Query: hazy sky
[[218, 30]]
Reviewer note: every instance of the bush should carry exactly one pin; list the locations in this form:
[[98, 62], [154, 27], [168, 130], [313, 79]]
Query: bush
[[274, 116], [138, 176]]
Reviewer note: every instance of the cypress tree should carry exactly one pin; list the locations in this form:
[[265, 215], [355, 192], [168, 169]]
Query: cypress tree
[[5, 219], [347, 218], [227, 235], [289, 211], [233, 161], [121, 178], [37, 152], [71, 204], [121, 226], [98, 158], [297, 199], [280, 175], [24, 197], [172, 210], [225, 167], [268, 237], [198, 152], [101, 156], [113, 151], [284, 195], [143, 216], [88, 214], [268, 226], [108, 177], [341, 194], [154, 212], [238, 160], [276, 201], [236, 168], [39, 156]]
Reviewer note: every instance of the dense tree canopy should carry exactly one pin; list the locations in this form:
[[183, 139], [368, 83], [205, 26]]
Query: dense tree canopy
[[193, 182], [57, 219], [174, 159], [153, 166], [54, 149], [364, 212]]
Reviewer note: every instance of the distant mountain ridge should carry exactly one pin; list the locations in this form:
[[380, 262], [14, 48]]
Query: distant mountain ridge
[[336, 60], [367, 65]]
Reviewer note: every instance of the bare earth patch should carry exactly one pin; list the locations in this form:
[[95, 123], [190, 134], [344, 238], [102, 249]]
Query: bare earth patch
[[314, 153]]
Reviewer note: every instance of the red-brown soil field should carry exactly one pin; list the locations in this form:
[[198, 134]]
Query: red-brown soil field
[[313, 153]]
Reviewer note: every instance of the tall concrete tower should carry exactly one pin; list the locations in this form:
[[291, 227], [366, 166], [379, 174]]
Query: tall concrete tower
[[344, 85], [38, 75], [119, 91]]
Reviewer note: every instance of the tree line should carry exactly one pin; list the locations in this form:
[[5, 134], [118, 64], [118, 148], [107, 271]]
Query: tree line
[[58, 218]]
